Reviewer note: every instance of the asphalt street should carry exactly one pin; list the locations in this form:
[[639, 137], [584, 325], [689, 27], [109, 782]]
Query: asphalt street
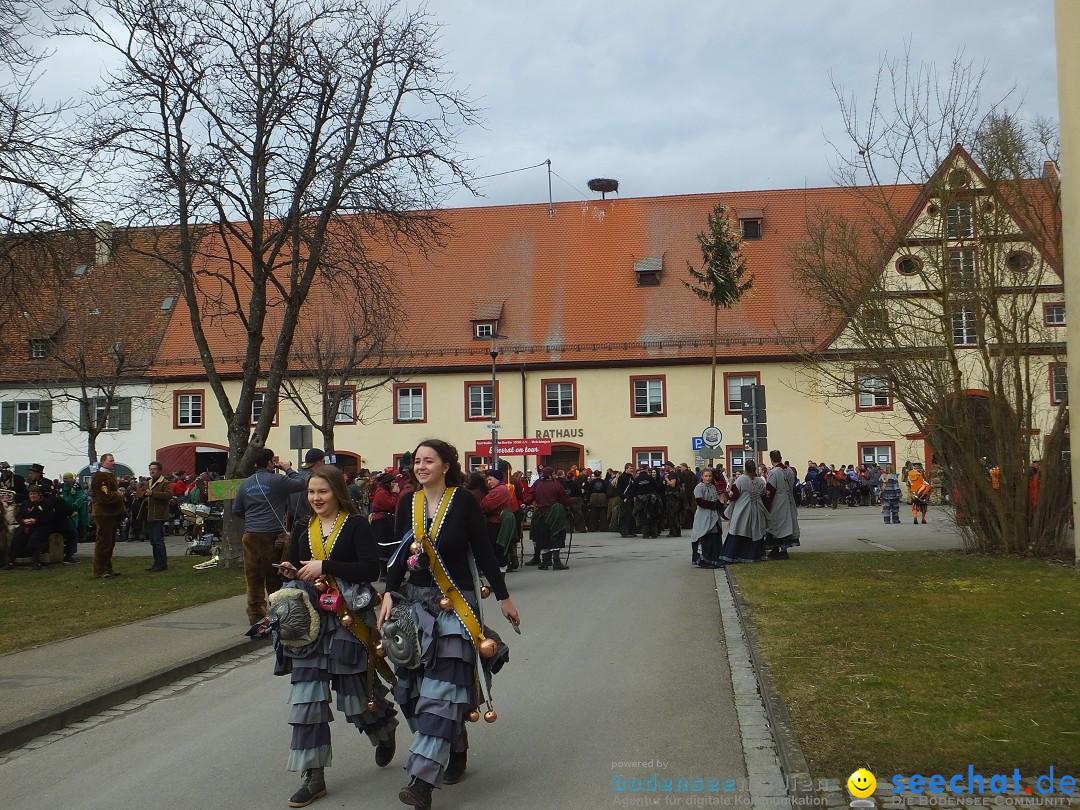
[[620, 671]]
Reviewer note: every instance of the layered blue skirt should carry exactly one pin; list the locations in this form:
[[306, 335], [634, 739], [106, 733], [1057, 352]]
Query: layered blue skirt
[[338, 661]]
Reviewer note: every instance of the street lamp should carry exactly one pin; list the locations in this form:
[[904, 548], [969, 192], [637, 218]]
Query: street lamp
[[494, 424]]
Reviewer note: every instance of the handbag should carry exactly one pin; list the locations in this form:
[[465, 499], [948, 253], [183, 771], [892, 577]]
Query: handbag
[[331, 601]]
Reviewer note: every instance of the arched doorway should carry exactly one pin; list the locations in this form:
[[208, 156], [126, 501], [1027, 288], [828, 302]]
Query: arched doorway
[[564, 455], [347, 462]]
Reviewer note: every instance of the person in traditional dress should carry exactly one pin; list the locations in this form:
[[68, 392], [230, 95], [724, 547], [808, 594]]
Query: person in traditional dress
[[443, 528], [783, 528], [745, 540], [707, 529], [549, 521], [336, 543]]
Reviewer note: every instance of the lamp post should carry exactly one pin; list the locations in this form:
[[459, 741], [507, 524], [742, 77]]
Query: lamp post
[[494, 424]]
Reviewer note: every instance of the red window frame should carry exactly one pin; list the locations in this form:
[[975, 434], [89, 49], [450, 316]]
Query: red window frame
[[663, 396], [1046, 307], [544, 417], [728, 374], [352, 390], [732, 473], [872, 372], [494, 416], [648, 449], [890, 445], [176, 409], [1050, 370], [471, 457], [277, 411], [423, 394]]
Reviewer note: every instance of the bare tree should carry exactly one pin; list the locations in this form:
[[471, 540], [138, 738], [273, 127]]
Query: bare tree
[[274, 132], [940, 280], [340, 361]]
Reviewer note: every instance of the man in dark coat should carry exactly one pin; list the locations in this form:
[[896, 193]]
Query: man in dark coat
[[108, 509], [626, 508]]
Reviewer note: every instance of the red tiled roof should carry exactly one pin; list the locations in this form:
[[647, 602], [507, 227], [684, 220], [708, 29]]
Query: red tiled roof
[[567, 290]]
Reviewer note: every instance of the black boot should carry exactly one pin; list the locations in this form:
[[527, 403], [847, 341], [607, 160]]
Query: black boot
[[416, 794], [545, 563], [314, 787], [384, 752], [557, 563], [695, 555], [534, 559], [459, 760]]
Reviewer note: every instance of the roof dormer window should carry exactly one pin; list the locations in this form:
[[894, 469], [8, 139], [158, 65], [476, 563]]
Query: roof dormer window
[[485, 330]]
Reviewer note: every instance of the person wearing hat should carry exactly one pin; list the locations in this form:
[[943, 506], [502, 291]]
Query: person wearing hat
[[59, 512], [298, 503], [384, 501], [498, 508], [35, 477], [10, 481], [75, 497]]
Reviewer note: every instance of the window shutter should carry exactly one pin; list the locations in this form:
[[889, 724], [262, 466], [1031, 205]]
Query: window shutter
[[123, 404], [7, 417], [45, 416], [84, 422]]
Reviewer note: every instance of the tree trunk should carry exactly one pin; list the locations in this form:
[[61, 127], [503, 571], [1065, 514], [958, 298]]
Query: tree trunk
[[712, 393]]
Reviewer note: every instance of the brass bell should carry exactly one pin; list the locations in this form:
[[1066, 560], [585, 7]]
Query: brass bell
[[416, 547], [473, 716], [487, 649], [380, 650], [446, 604], [321, 585], [347, 620], [372, 705], [490, 716], [485, 591]]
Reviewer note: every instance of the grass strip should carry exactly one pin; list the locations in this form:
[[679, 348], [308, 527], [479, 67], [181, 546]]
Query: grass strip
[[64, 601], [923, 662]]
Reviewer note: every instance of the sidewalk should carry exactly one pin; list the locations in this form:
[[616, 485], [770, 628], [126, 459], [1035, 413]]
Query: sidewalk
[[55, 685]]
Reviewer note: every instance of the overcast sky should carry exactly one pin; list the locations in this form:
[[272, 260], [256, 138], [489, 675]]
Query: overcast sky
[[683, 96]]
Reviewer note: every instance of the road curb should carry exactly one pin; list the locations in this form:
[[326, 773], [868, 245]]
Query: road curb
[[20, 733], [788, 751]]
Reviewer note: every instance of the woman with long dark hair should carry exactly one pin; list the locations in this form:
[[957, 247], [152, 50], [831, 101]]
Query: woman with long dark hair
[[334, 547], [442, 540]]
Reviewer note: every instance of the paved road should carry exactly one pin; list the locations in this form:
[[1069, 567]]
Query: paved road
[[621, 661]]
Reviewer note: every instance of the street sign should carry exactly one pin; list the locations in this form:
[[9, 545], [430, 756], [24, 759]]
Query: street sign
[[515, 447], [299, 437], [492, 426], [712, 436]]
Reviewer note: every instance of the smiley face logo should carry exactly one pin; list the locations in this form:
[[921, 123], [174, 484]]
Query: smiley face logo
[[861, 784]]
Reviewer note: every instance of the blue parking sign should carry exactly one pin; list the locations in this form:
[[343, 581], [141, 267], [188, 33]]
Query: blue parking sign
[[697, 443]]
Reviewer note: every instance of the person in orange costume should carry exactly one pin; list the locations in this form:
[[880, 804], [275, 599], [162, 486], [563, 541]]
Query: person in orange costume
[[920, 494]]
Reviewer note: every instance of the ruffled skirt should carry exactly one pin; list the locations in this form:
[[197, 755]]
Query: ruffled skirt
[[339, 662], [738, 548], [436, 696]]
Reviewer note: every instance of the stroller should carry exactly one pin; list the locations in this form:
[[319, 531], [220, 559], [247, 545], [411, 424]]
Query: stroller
[[203, 522]]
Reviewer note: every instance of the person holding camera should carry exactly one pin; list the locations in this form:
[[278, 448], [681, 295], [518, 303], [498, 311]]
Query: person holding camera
[[261, 502]]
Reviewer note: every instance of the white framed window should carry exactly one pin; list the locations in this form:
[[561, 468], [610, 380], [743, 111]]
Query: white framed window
[[108, 415], [964, 331], [39, 349], [481, 400], [962, 269], [27, 417], [484, 329], [873, 391], [736, 461], [410, 403], [1059, 383], [346, 405], [558, 400], [1054, 314], [958, 223], [733, 390], [649, 458], [880, 454], [189, 409], [258, 399], [648, 398]]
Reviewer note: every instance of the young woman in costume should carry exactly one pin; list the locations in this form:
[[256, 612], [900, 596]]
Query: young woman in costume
[[439, 526], [745, 540], [707, 531], [336, 543]]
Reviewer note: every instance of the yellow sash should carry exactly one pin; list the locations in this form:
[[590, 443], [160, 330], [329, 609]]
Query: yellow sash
[[442, 577], [320, 550]]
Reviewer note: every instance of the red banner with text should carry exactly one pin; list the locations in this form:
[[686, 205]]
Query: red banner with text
[[515, 447]]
